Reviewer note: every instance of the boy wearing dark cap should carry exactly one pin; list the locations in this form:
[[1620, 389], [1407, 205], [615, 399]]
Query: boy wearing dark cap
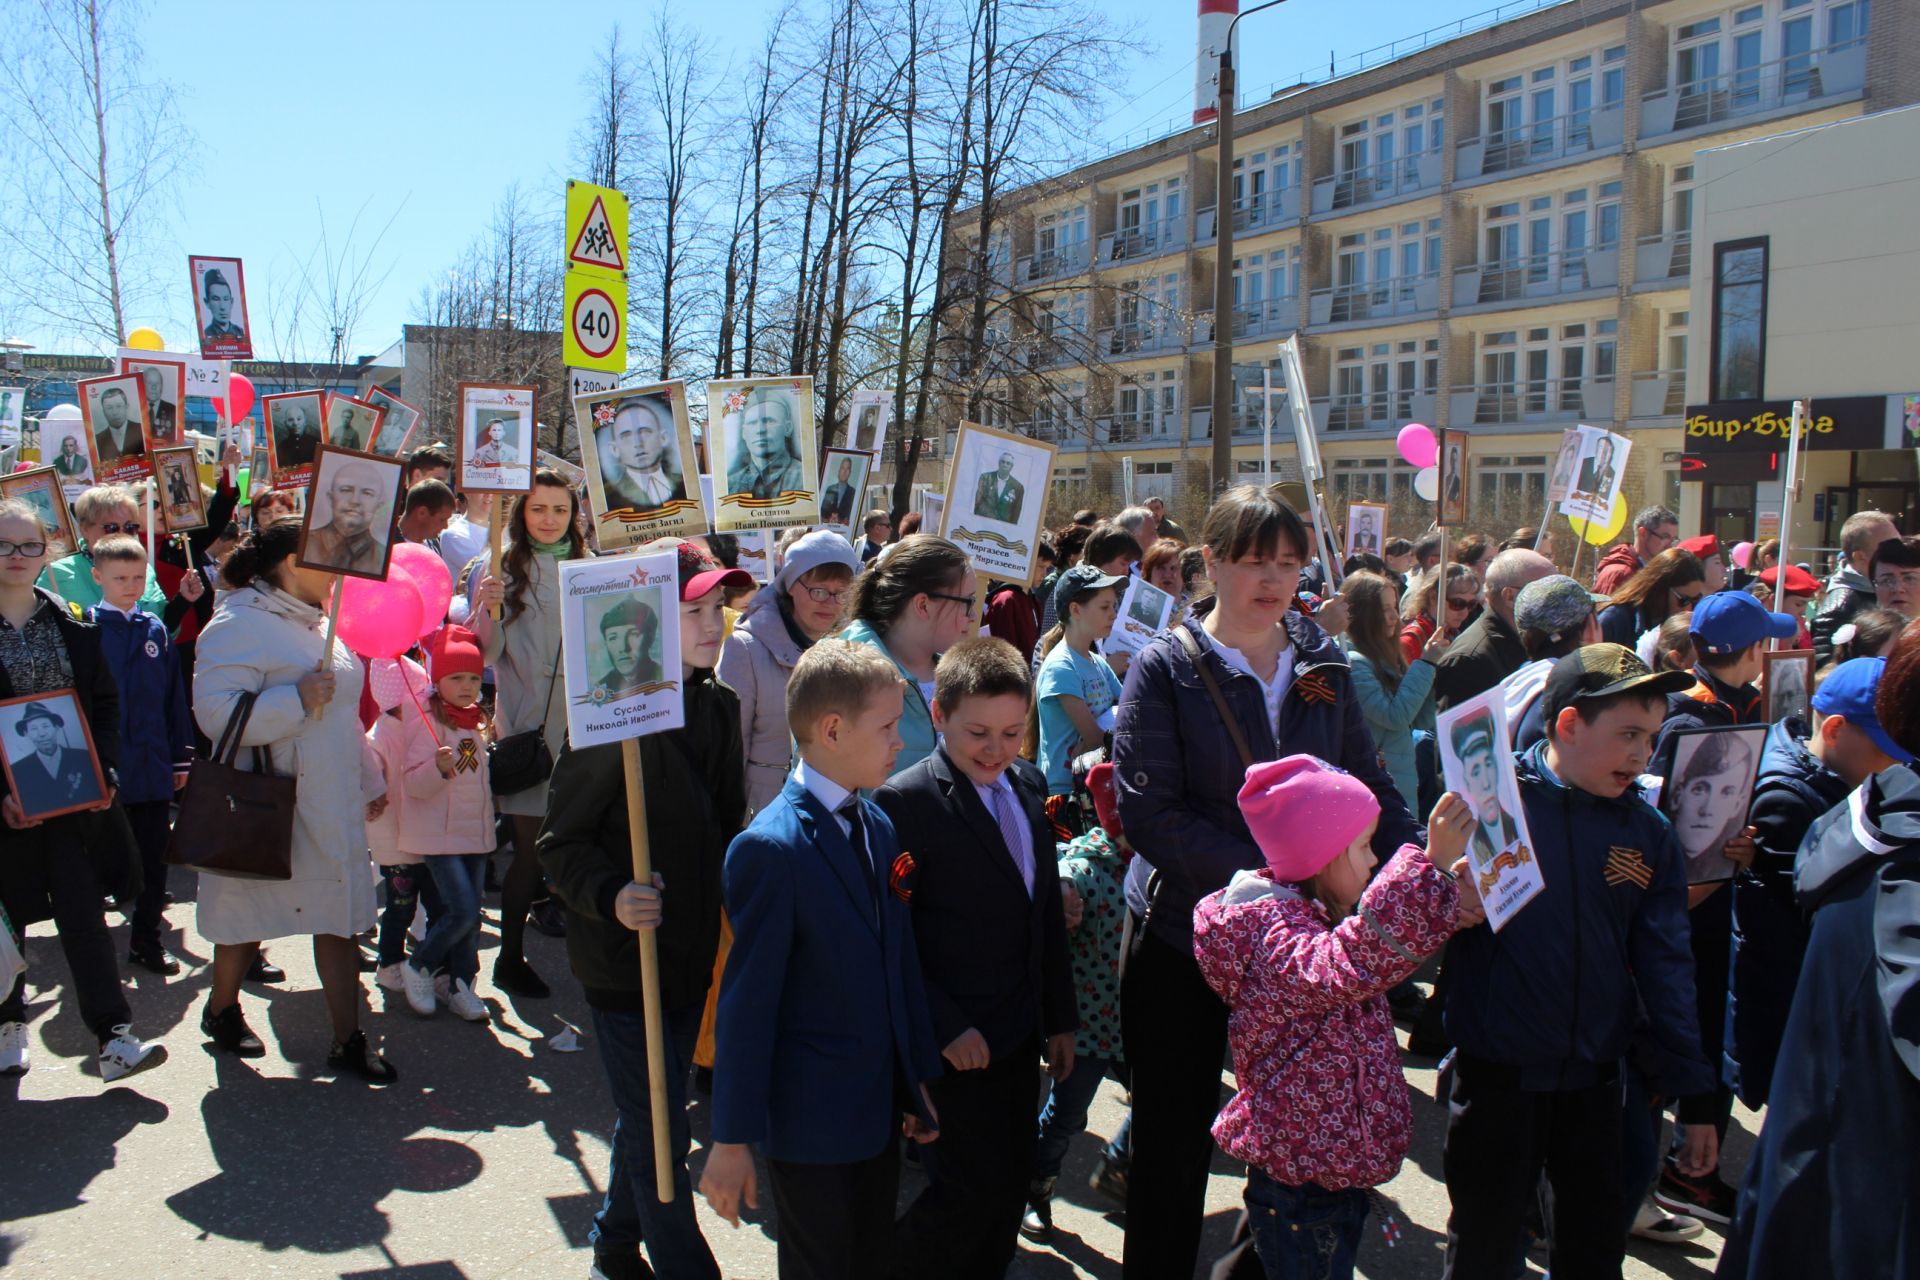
[[1542, 1011]]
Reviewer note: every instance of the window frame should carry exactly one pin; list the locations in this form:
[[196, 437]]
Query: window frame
[[1721, 251]]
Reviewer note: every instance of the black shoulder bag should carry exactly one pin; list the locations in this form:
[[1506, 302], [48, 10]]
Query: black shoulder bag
[[521, 761], [232, 822]]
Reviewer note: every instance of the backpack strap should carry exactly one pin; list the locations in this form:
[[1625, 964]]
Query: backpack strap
[[1198, 659]]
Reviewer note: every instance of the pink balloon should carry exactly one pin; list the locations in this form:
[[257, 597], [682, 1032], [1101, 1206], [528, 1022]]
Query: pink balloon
[[380, 619], [1418, 446], [239, 396], [428, 572]]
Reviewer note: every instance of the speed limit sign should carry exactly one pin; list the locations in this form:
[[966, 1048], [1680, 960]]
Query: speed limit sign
[[596, 329]]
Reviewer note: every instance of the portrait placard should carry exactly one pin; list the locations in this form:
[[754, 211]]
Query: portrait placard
[[1706, 792], [352, 424], [636, 450], [115, 411], [13, 408], [1142, 616], [620, 644], [1452, 508], [259, 472], [1560, 479], [1787, 677], [765, 463], [220, 308], [868, 418], [843, 478], [494, 443], [933, 509], [398, 422], [52, 766], [1597, 476], [166, 383], [756, 553], [43, 489], [575, 477], [998, 484], [349, 523], [64, 446], [1478, 767], [1366, 528], [296, 427], [183, 504]]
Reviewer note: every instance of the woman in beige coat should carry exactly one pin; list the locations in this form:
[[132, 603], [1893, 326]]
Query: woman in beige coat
[[266, 638]]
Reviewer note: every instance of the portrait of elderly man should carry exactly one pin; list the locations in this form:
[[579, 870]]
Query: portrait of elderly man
[[766, 463], [357, 494], [636, 456], [296, 434], [999, 496], [162, 413], [118, 434], [50, 774], [627, 634]]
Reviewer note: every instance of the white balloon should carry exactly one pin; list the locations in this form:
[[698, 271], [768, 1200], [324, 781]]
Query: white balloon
[[1426, 483]]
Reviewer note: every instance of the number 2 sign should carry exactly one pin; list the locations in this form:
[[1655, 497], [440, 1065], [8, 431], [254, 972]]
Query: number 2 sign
[[596, 328]]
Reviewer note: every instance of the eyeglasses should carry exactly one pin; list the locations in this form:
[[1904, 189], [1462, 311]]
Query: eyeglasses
[[27, 549], [968, 601], [1468, 603], [825, 595], [1893, 581], [112, 527]]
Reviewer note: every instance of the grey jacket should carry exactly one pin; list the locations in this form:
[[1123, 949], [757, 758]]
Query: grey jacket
[[527, 692], [756, 663]]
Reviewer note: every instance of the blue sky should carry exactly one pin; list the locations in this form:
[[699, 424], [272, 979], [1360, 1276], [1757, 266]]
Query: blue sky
[[423, 113]]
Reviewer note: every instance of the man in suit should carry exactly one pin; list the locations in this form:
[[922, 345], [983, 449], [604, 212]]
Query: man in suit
[[999, 496], [836, 504], [822, 1007], [119, 436], [51, 775], [768, 462], [162, 413], [295, 436], [1596, 473], [348, 542], [875, 530], [993, 949], [1494, 831], [638, 438]]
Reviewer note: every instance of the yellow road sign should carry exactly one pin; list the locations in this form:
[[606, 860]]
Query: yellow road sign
[[596, 230], [596, 323]]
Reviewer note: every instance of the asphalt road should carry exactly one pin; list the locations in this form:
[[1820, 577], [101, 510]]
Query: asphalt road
[[485, 1161]]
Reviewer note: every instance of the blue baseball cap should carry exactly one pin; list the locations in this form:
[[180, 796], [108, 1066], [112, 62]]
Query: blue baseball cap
[[1848, 692], [1729, 621]]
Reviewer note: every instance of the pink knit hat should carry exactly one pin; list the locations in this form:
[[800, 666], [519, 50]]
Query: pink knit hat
[[1304, 813]]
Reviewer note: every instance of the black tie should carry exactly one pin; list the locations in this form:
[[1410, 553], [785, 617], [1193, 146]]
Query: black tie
[[857, 834]]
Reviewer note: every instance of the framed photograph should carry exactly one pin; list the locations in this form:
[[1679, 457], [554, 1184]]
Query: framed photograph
[[398, 422], [932, 508], [13, 409], [620, 646], [1787, 677], [183, 504], [166, 383], [49, 757], [65, 446], [1560, 479], [638, 460], [843, 478], [1597, 476], [1452, 506], [494, 444], [259, 471], [998, 484], [868, 419], [575, 477], [296, 428], [1707, 791], [1366, 528], [114, 409], [1142, 615], [766, 464], [44, 490], [1478, 767], [220, 308], [349, 523], [352, 424], [756, 553]]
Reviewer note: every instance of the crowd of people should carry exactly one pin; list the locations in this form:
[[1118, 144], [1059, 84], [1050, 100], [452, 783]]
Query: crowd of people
[[925, 838]]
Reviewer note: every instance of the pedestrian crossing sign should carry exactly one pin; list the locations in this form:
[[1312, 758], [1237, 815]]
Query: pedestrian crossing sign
[[596, 229]]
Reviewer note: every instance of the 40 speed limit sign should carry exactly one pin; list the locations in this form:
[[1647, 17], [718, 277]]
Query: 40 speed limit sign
[[596, 323]]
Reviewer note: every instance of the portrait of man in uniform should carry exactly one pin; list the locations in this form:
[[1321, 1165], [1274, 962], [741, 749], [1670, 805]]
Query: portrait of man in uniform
[[766, 461], [53, 770], [627, 634], [999, 496], [350, 521]]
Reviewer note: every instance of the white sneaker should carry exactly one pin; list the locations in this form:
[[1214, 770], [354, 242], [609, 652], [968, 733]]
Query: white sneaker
[[123, 1055], [13, 1049], [419, 987], [1651, 1222], [389, 976], [466, 1004]]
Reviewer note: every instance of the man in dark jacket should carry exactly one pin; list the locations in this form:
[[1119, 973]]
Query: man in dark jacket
[[1654, 530], [1850, 591], [1489, 650]]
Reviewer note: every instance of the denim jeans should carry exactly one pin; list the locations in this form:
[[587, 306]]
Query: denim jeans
[[1307, 1232], [453, 938], [408, 886], [1064, 1116], [632, 1215]]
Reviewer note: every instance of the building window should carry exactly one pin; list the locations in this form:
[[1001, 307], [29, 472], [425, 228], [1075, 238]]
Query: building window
[[1739, 319], [1510, 488]]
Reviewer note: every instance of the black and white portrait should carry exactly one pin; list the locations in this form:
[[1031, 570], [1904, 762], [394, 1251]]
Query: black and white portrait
[[165, 382], [999, 493], [352, 424], [1787, 678], [220, 308], [1706, 794], [42, 488], [349, 519], [764, 458], [183, 504], [636, 461], [397, 422], [1479, 770], [295, 424], [766, 463], [115, 412], [50, 757], [843, 479], [1366, 528]]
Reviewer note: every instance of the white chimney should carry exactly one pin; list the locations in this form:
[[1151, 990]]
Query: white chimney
[[1215, 17]]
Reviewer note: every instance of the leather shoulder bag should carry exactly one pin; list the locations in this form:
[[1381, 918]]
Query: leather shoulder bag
[[234, 822]]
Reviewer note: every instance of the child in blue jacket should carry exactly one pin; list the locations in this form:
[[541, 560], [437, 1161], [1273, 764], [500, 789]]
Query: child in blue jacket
[[156, 731]]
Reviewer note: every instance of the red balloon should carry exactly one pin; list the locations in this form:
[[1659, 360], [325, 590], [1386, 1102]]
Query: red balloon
[[428, 572], [380, 619], [239, 395]]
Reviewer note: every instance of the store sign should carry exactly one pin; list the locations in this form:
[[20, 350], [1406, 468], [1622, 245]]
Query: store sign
[[1762, 426]]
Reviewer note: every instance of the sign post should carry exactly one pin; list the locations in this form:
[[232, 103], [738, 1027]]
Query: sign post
[[1311, 474], [1791, 495]]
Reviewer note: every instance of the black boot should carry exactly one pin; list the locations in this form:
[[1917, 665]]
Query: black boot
[[229, 1030], [1038, 1224]]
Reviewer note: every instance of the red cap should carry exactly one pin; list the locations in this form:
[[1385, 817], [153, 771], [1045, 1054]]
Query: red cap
[[699, 571], [454, 651], [1799, 581], [1703, 546], [1106, 799]]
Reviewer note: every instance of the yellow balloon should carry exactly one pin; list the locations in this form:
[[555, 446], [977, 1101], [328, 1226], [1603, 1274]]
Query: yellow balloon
[[147, 340], [1598, 534]]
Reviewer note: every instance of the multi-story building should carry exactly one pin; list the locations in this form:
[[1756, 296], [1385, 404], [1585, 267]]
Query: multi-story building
[[1492, 233]]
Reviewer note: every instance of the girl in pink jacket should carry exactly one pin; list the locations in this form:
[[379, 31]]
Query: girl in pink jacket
[[1303, 952], [446, 819]]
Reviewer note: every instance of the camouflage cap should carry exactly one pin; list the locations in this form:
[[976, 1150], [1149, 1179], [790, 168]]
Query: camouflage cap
[[1600, 671], [1554, 605]]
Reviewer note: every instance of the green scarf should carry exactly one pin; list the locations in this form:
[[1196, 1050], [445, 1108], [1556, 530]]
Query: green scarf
[[557, 550]]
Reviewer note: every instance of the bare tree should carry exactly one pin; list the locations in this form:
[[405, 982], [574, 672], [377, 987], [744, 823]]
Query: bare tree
[[668, 238], [328, 291]]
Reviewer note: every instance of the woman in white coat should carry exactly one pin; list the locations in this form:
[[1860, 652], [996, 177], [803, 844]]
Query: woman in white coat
[[266, 638]]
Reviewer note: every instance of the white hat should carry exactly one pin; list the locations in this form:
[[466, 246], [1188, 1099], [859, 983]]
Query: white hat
[[821, 547]]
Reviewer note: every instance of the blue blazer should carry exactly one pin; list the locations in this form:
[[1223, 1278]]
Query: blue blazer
[[822, 1033]]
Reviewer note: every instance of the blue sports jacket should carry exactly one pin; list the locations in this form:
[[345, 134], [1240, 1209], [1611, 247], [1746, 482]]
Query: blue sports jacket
[[156, 731]]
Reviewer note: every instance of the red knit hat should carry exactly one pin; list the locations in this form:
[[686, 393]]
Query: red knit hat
[[453, 651], [1106, 799], [1304, 813]]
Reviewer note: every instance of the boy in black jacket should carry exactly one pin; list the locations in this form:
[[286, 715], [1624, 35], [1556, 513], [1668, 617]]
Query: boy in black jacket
[[696, 802]]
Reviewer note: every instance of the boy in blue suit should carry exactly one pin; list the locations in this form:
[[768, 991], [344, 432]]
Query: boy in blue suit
[[823, 1033]]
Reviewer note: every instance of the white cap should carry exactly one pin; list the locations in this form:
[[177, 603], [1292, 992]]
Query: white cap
[[821, 547]]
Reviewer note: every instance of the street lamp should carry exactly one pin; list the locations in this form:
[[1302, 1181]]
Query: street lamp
[[1223, 266]]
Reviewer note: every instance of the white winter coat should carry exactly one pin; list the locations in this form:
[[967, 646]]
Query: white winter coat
[[756, 662], [526, 694], [263, 640]]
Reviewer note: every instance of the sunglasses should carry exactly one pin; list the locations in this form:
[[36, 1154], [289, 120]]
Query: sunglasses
[[131, 527], [1467, 603], [1689, 601]]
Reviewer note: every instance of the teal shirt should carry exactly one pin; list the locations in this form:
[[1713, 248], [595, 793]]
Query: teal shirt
[[917, 738], [1067, 673], [71, 579]]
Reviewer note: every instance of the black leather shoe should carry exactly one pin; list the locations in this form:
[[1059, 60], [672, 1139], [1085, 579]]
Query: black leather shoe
[[228, 1029], [154, 958], [358, 1057], [264, 970], [518, 978]]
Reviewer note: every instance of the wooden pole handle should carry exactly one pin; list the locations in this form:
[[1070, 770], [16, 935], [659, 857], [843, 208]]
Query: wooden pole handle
[[493, 566], [649, 974]]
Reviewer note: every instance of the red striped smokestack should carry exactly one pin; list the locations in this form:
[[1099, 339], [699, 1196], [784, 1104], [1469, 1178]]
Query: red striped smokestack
[[1215, 17]]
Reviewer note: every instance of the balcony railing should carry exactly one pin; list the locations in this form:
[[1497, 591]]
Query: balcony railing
[[1139, 338], [1144, 240], [1503, 151], [1836, 71], [1267, 317], [1537, 275], [1388, 180], [1373, 410], [1659, 393], [1062, 429], [1052, 264], [1525, 401], [1400, 296], [1664, 258], [1131, 426], [1268, 209]]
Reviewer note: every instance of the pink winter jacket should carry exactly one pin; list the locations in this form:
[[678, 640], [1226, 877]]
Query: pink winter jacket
[[1322, 1097], [385, 745], [445, 815]]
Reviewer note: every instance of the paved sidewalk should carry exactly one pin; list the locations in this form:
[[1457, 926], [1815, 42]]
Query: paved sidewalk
[[484, 1162]]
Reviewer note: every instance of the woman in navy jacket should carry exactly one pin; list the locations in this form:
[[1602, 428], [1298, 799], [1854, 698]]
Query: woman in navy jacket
[[1179, 773]]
